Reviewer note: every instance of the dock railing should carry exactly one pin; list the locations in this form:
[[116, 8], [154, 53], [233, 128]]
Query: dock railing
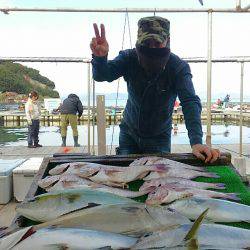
[[209, 60]]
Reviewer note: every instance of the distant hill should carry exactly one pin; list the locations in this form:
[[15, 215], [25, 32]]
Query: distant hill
[[15, 77]]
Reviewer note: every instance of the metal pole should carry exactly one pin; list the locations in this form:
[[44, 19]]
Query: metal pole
[[123, 10], [93, 116], [238, 4], [241, 105], [233, 59], [209, 76], [89, 108], [46, 59]]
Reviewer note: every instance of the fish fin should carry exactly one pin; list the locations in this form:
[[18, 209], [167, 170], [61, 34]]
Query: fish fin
[[195, 227], [211, 175], [218, 186], [88, 205], [193, 245], [122, 185], [232, 196], [56, 247], [106, 248]]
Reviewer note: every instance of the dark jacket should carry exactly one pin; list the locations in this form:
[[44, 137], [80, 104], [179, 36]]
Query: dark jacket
[[72, 105], [150, 103]]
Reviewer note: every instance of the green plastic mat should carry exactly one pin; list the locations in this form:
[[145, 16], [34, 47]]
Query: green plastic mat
[[227, 176]]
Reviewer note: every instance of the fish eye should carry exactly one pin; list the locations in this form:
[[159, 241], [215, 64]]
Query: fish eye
[[171, 210]]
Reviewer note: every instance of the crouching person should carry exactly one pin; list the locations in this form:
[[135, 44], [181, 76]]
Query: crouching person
[[32, 111], [70, 109]]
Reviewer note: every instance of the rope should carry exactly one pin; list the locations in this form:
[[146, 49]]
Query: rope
[[233, 151], [129, 31], [118, 84]]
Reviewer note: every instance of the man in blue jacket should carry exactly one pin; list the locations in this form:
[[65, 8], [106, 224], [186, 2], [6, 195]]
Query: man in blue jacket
[[155, 77]]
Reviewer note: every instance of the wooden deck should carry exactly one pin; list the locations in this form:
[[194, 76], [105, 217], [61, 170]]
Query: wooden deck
[[7, 212]]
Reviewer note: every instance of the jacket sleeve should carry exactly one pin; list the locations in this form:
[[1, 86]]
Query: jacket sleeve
[[79, 108], [191, 105], [109, 70], [28, 110]]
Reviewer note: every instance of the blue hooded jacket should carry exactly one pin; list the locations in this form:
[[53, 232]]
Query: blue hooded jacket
[[150, 103]]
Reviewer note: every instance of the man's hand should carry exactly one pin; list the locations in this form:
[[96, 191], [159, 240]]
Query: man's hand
[[99, 44], [29, 122], [205, 153]]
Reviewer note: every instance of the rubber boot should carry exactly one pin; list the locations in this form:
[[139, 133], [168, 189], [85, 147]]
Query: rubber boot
[[76, 141], [63, 141]]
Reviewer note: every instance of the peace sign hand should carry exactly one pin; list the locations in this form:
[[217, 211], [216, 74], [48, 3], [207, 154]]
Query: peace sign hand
[[99, 44]]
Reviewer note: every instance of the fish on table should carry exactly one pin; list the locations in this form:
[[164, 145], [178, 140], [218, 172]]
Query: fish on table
[[130, 219], [88, 168], [120, 178], [184, 182], [209, 236], [76, 182], [52, 205], [176, 172], [219, 210], [171, 192], [152, 160], [67, 238], [196, 236], [105, 174]]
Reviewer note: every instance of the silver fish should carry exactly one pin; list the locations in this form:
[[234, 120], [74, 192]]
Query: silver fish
[[209, 235], [151, 160], [170, 193], [72, 238], [52, 205], [176, 172], [181, 181], [219, 210], [131, 219]]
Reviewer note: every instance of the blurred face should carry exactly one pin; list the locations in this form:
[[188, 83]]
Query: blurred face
[[34, 98], [155, 44], [153, 56]]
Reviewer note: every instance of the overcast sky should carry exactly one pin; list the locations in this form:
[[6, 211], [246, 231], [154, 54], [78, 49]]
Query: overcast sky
[[69, 34]]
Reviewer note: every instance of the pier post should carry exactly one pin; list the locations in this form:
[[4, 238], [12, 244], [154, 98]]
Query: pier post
[[18, 120], [1, 120], [101, 125]]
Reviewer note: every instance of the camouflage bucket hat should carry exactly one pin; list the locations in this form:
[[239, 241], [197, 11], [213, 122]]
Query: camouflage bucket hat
[[155, 27]]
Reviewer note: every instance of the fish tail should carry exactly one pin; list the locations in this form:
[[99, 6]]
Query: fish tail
[[4, 231], [232, 196], [218, 185], [211, 175]]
